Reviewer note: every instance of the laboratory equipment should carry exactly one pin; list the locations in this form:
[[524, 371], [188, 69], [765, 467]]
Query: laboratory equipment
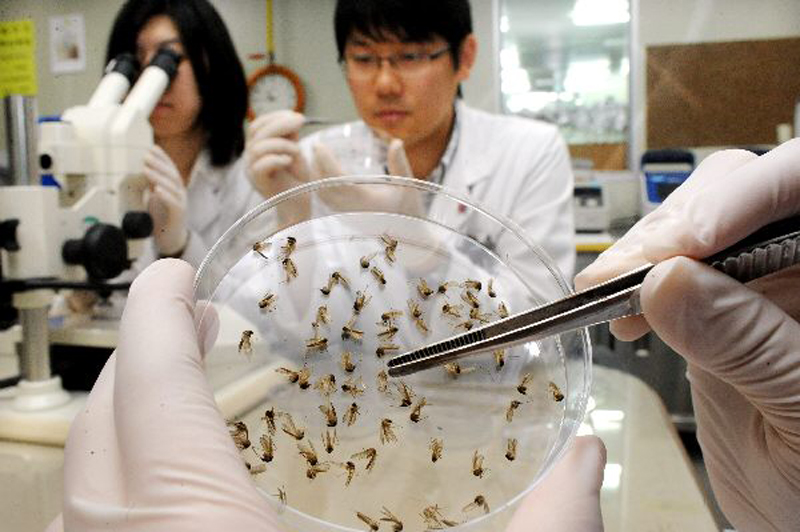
[[772, 248], [382, 265], [663, 171], [81, 227]]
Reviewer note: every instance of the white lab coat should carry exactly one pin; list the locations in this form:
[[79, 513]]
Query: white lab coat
[[515, 168]]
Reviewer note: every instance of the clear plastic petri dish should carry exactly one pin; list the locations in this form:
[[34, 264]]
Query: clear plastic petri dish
[[327, 281]]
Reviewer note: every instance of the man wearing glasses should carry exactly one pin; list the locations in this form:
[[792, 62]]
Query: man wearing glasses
[[404, 61]]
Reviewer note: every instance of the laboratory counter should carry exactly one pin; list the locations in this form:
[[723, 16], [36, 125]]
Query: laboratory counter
[[649, 481]]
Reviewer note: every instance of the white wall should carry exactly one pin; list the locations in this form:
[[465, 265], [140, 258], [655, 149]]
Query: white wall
[[695, 21]]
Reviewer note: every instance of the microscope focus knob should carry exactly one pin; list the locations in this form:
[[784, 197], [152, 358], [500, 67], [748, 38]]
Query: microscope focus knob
[[8, 235], [103, 251], [137, 224]]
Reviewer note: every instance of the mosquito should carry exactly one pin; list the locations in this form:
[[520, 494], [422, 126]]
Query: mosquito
[[267, 301], [478, 502], [406, 393], [349, 332], [289, 268], [471, 284], [291, 429], [371, 523], [369, 455], [383, 349], [329, 441], [477, 465], [347, 362], [350, 469], [499, 358], [378, 274], [330, 413], [240, 434], [455, 370], [382, 379], [451, 310], [490, 288], [246, 343], [555, 392], [510, 410], [326, 384], [423, 289], [361, 301], [413, 309], [511, 449], [309, 453], [523, 384], [261, 247], [388, 333], [502, 310], [387, 433], [388, 317], [468, 297], [267, 448], [323, 316], [389, 517], [289, 247], [366, 259], [314, 470], [436, 446], [354, 387], [417, 411], [269, 419], [443, 287]]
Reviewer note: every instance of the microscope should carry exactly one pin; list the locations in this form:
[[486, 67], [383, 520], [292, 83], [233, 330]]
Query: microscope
[[82, 227]]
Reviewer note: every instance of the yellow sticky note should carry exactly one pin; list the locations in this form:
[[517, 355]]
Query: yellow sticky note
[[17, 58]]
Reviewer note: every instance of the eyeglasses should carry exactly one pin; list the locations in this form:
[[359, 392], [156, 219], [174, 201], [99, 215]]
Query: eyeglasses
[[365, 66]]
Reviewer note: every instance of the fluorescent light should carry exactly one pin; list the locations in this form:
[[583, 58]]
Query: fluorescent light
[[504, 25], [600, 12]]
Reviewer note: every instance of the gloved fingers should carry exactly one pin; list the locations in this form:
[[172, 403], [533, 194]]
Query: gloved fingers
[[273, 146], [269, 164], [165, 199], [629, 329], [159, 364], [731, 332], [396, 159], [568, 498], [283, 123], [91, 457], [175, 190], [325, 163], [158, 161], [719, 214]]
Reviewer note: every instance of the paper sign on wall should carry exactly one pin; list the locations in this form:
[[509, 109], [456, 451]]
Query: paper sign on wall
[[17, 58], [67, 44]]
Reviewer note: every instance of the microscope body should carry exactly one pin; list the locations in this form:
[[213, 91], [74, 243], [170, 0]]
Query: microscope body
[[88, 219]]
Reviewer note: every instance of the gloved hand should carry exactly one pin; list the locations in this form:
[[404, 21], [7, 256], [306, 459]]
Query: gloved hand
[[568, 499], [742, 343], [150, 450], [167, 204], [272, 153]]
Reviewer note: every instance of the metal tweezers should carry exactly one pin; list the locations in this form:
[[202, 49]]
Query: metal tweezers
[[771, 248]]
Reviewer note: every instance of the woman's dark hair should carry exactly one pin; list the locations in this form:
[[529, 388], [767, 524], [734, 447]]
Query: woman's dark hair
[[408, 20], [219, 73]]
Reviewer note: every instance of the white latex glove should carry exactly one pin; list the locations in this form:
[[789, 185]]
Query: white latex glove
[[568, 499], [742, 343], [167, 203], [272, 153], [150, 450]]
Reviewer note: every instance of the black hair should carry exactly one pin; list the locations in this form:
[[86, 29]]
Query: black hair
[[217, 69], [408, 20]]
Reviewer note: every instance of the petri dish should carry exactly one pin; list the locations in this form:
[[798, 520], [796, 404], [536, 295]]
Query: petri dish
[[487, 431], [358, 150]]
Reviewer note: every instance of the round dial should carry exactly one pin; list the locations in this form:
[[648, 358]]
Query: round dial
[[273, 88]]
